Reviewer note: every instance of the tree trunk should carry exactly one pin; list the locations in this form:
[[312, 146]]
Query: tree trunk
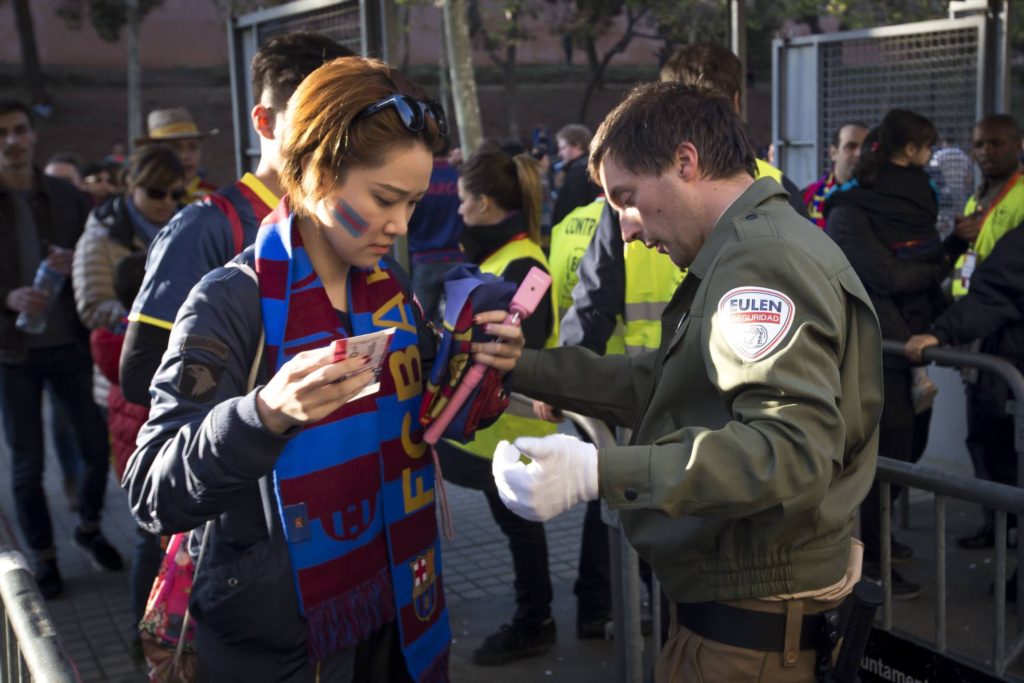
[[597, 74], [134, 74], [620, 45], [512, 90], [33, 73], [404, 13], [460, 61], [593, 61], [443, 86]]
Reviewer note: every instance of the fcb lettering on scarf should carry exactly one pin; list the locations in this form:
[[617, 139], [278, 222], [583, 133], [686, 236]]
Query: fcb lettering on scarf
[[355, 490]]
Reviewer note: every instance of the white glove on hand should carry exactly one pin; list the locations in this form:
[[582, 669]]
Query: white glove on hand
[[563, 473]]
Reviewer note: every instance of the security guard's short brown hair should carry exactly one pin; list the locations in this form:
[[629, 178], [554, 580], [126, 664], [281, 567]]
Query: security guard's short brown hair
[[643, 132]]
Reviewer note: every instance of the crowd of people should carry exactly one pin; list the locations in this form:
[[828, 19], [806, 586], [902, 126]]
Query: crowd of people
[[184, 335]]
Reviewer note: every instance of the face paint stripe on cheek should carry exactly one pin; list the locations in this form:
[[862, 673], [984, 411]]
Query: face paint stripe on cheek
[[350, 219]]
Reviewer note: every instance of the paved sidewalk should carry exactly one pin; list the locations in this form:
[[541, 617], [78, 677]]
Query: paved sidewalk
[[94, 621], [93, 617]]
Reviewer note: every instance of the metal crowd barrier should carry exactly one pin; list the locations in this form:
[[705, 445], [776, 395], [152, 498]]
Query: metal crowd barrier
[[30, 649], [625, 564], [1000, 498]]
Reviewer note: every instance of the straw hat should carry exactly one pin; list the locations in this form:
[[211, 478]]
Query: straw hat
[[172, 124]]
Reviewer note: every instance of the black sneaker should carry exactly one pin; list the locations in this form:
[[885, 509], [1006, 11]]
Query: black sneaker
[[48, 578], [984, 537], [902, 589], [592, 628], [900, 552], [515, 642], [104, 557]]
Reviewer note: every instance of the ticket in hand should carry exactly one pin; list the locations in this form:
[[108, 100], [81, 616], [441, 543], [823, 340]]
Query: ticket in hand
[[375, 346]]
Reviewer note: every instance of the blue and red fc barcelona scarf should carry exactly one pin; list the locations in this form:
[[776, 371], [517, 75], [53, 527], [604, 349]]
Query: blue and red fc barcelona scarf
[[355, 491]]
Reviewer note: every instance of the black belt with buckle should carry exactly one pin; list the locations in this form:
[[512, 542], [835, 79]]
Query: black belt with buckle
[[765, 631]]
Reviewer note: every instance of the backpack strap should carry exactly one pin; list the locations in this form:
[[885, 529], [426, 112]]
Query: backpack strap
[[227, 207]]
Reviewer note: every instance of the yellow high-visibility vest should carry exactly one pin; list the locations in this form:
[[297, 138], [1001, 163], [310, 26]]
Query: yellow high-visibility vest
[[1005, 214], [651, 280], [569, 241]]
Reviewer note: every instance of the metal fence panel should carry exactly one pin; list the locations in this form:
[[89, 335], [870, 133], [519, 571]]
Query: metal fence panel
[[797, 120], [353, 23], [936, 68], [30, 649]]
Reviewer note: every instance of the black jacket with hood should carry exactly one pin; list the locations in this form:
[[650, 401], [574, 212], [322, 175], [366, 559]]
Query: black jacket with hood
[[992, 311], [888, 233]]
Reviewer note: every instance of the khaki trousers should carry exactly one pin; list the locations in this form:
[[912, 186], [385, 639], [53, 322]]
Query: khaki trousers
[[691, 658]]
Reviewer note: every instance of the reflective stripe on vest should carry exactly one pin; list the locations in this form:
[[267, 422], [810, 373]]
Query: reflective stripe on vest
[[651, 280], [569, 241], [1004, 215], [508, 427]]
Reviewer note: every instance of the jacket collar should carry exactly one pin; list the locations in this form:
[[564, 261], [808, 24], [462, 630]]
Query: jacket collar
[[481, 241], [758, 193]]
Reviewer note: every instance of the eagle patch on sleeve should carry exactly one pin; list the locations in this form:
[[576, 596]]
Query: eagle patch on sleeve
[[755, 320], [198, 380]]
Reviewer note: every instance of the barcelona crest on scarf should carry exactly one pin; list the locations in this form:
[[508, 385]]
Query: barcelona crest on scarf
[[354, 490]]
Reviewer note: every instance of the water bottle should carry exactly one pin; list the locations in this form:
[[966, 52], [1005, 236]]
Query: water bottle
[[51, 282]]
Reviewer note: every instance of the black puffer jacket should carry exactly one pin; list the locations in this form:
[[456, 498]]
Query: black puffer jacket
[[888, 234], [992, 311]]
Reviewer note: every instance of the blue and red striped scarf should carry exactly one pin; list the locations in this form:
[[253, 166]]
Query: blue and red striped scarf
[[356, 490]]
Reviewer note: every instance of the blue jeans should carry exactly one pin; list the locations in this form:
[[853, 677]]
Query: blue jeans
[[62, 439], [145, 566], [68, 371]]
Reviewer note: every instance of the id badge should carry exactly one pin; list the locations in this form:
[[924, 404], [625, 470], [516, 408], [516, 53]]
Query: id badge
[[970, 262]]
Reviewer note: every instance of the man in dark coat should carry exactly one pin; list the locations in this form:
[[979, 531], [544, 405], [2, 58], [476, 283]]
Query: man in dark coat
[[993, 312], [42, 219]]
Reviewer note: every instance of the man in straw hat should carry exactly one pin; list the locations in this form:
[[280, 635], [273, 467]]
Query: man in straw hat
[[208, 234], [177, 128]]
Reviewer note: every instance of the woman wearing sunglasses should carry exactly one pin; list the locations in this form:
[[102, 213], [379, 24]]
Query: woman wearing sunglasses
[[322, 561], [123, 224]]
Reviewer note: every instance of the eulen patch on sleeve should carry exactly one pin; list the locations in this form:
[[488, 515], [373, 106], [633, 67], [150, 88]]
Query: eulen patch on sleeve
[[754, 320]]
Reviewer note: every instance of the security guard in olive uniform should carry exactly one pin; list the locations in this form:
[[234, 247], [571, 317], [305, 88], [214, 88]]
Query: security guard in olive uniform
[[755, 421]]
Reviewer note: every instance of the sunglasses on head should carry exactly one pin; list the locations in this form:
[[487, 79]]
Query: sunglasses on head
[[157, 195], [412, 112]]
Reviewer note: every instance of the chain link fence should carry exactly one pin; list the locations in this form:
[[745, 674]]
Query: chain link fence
[[936, 68], [355, 24], [934, 73], [340, 21]]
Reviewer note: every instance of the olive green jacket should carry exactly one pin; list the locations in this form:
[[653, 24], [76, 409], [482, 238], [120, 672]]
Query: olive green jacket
[[754, 441]]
